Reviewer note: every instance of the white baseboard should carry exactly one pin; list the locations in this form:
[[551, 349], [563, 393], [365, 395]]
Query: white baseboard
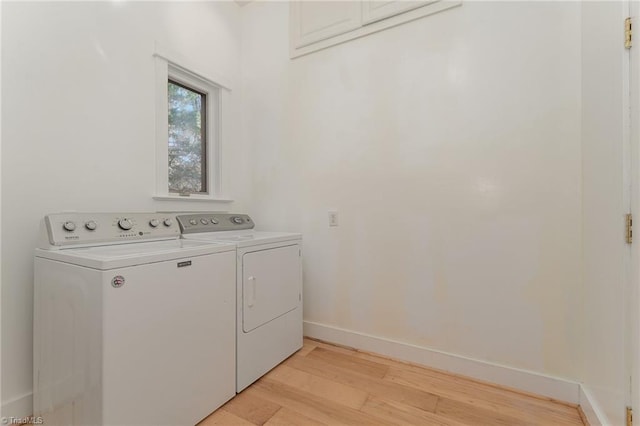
[[19, 407], [528, 381], [591, 410]]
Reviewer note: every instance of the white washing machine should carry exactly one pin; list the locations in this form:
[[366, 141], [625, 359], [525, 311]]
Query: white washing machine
[[132, 325], [269, 289]]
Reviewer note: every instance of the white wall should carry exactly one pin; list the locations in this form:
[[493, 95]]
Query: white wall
[[451, 148], [603, 110], [79, 130]]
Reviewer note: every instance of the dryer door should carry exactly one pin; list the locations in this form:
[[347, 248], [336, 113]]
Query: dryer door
[[271, 285]]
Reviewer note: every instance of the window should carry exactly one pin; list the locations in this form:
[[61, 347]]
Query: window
[[187, 139], [188, 132]]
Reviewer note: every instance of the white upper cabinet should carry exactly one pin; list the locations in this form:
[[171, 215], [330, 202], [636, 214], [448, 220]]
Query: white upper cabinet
[[375, 10], [317, 25], [320, 20]]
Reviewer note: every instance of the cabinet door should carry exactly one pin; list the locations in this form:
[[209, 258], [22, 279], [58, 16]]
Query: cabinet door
[[376, 10], [313, 21]]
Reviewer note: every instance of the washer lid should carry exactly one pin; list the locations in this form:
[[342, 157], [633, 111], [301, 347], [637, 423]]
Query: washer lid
[[244, 238], [123, 255]]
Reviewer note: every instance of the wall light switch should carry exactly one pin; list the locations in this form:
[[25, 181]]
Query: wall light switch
[[333, 218]]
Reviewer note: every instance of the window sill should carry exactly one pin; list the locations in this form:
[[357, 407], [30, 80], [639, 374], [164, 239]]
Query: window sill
[[198, 198]]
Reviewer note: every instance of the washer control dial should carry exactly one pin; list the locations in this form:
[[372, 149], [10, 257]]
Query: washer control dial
[[91, 225], [204, 221], [214, 222], [237, 220], [125, 224], [154, 223], [69, 226], [167, 222]]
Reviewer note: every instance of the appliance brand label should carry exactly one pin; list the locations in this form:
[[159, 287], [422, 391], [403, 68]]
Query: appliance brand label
[[117, 281], [183, 264]]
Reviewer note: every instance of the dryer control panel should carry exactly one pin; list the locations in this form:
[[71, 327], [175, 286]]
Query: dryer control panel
[[74, 229], [213, 222]]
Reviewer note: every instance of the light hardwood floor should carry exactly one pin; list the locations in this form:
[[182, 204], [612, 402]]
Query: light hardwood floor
[[324, 384]]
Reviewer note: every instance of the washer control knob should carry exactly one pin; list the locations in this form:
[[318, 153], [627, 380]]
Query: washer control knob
[[237, 220], [91, 225], [214, 222], [154, 223], [193, 221], [69, 226], [167, 222], [125, 224], [204, 221]]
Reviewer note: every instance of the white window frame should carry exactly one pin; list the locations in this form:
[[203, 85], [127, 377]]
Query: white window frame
[[169, 67]]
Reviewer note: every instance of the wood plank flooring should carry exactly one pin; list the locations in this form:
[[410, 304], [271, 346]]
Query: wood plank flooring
[[324, 384]]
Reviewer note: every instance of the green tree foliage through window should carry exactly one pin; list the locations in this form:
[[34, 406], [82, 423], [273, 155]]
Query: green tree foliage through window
[[187, 139]]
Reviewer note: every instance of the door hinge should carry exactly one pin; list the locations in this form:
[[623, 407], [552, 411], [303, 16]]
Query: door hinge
[[629, 228], [628, 34], [629, 416]]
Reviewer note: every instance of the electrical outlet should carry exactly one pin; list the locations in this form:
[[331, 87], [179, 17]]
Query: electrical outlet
[[333, 218]]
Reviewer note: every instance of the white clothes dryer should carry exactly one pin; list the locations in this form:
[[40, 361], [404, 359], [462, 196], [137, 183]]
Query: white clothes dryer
[[141, 333], [268, 289]]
